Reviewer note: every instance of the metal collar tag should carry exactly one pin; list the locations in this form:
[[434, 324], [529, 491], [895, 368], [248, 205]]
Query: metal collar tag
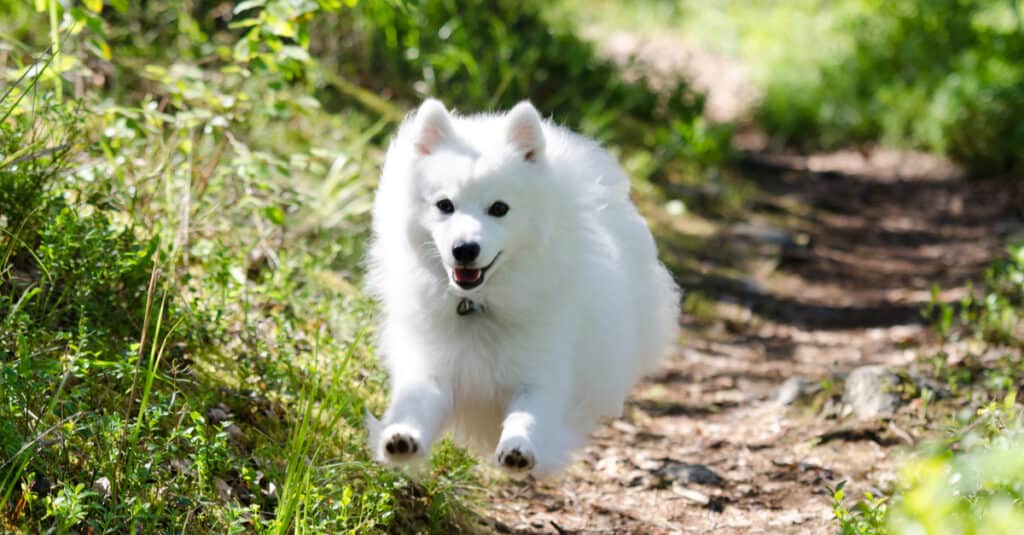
[[467, 307]]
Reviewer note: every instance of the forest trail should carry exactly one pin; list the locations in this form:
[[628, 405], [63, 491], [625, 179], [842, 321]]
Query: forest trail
[[740, 432]]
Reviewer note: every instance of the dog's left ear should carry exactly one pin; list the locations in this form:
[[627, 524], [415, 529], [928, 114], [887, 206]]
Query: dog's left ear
[[524, 131], [433, 126]]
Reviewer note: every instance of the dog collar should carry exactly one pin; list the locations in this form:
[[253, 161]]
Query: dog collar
[[467, 306]]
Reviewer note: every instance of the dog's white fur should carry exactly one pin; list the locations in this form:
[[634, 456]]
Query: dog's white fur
[[576, 308]]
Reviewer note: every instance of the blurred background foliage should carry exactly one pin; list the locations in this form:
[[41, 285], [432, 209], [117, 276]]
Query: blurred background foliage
[[184, 200], [944, 76], [941, 75]]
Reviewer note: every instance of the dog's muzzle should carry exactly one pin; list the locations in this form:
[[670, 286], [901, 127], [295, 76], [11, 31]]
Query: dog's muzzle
[[468, 278]]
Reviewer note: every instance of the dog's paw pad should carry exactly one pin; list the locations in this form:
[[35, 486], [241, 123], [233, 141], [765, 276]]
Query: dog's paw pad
[[516, 460], [400, 444]]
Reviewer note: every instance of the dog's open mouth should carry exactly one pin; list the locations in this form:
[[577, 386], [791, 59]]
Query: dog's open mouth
[[464, 276], [469, 278]]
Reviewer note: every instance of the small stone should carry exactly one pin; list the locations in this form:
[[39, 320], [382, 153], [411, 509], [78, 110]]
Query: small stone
[[695, 496], [624, 426], [223, 489], [218, 414], [181, 466], [235, 433], [675, 207], [102, 487], [790, 391], [871, 391], [689, 473], [764, 234]]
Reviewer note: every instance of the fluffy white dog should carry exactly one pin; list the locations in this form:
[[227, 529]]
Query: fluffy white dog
[[521, 292]]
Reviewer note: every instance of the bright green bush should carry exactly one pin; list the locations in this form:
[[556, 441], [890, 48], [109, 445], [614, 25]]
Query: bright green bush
[[971, 481], [942, 75], [974, 486], [481, 55]]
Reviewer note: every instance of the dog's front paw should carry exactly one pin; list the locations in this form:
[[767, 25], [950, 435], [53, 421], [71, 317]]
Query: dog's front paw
[[515, 456], [399, 443]]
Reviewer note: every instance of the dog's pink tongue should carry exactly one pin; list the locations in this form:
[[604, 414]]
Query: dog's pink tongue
[[466, 275]]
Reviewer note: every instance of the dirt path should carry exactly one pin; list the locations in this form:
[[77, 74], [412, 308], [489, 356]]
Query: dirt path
[[853, 244], [826, 270]]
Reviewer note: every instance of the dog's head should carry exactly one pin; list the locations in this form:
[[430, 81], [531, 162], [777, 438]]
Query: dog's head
[[477, 183]]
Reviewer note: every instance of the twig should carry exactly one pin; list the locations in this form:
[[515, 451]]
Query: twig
[[205, 174], [42, 435], [135, 378], [35, 155], [366, 98]]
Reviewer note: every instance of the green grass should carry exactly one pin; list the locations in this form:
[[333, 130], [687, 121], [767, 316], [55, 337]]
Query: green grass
[[117, 352], [221, 392], [183, 345]]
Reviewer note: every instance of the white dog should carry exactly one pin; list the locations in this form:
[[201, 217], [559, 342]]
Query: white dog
[[521, 292]]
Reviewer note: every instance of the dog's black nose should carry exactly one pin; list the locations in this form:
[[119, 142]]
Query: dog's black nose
[[466, 252]]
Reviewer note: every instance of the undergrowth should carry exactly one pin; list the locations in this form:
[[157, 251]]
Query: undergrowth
[[970, 480], [939, 75]]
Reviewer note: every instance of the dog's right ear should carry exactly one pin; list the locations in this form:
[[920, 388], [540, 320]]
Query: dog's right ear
[[432, 126], [524, 131]]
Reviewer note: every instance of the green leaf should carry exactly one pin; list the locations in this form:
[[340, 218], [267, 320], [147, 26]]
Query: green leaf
[[96, 6], [95, 25], [294, 52], [280, 26], [243, 50], [102, 48], [275, 214], [306, 102], [243, 23], [248, 4]]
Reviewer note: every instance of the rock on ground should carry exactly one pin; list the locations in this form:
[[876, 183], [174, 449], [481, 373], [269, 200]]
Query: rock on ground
[[871, 391]]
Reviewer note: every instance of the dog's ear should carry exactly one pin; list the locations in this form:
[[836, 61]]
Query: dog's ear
[[524, 131], [432, 126]]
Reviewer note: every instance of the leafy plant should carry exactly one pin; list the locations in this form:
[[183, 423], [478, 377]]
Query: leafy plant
[[867, 517], [939, 75], [974, 488]]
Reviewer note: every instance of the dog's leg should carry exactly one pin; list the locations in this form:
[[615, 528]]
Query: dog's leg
[[534, 438], [411, 423]]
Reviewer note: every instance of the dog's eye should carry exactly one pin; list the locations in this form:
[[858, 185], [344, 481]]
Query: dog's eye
[[445, 206], [498, 209]]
